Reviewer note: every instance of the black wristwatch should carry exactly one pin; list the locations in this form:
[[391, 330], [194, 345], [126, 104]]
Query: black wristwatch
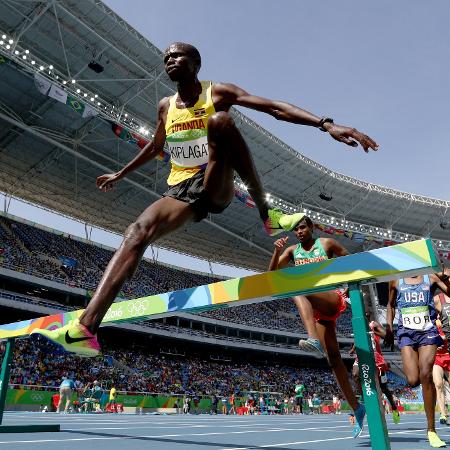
[[323, 121]]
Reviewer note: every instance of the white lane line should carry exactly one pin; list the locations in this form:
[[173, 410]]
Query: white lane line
[[320, 440], [161, 436], [224, 426]]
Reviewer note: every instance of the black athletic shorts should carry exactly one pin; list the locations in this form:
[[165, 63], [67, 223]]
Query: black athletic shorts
[[298, 401], [192, 191]]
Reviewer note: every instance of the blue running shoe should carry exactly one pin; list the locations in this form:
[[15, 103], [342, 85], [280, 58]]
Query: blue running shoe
[[311, 345], [360, 413]]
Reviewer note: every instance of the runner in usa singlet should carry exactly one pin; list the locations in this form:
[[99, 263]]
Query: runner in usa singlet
[[417, 314]]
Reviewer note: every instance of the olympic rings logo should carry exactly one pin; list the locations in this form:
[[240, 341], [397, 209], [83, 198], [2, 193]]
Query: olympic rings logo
[[138, 307], [37, 397]]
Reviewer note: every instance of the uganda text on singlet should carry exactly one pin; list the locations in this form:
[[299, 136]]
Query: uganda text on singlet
[[187, 135]]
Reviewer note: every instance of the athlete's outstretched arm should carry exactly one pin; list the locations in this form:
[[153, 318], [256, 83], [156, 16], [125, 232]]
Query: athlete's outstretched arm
[[227, 95], [151, 150]]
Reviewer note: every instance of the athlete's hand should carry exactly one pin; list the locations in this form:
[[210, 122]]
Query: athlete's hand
[[351, 136], [106, 182], [280, 243]]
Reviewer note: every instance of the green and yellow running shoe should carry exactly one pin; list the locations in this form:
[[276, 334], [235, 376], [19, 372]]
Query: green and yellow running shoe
[[72, 338], [435, 440], [396, 416], [277, 222]]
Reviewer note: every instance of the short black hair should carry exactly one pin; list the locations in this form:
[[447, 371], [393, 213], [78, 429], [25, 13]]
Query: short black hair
[[191, 50], [308, 221]]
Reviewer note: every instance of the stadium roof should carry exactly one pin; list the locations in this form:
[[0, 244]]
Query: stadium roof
[[51, 152]]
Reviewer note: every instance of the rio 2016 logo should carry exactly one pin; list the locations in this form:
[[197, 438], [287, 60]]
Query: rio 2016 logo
[[366, 380], [113, 314]]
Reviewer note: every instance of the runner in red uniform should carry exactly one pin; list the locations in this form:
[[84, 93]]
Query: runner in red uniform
[[441, 367], [376, 332]]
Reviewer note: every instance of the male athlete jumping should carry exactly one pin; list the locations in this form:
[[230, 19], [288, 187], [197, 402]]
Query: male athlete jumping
[[206, 148]]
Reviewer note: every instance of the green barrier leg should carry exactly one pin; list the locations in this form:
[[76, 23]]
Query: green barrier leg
[[4, 376], [4, 382], [367, 372]]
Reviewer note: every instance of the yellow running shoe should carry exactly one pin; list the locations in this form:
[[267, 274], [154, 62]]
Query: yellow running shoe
[[72, 338], [277, 222], [435, 440], [396, 416]]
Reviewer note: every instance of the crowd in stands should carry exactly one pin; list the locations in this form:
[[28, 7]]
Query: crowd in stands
[[38, 252], [137, 369], [41, 253]]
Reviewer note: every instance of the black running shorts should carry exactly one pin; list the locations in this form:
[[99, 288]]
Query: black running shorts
[[192, 191]]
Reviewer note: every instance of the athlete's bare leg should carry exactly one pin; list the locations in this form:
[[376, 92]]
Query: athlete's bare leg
[[228, 152], [438, 379], [355, 375], [418, 368], [327, 336], [306, 313], [327, 303], [427, 354], [159, 219], [385, 390]]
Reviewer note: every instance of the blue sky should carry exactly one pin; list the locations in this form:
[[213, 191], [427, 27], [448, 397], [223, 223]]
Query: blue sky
[[382, 67]]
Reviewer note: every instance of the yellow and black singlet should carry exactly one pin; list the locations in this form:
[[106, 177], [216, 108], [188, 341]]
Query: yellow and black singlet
[[187, 135]]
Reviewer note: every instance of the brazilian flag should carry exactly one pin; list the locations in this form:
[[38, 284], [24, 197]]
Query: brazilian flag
[[75, 104]]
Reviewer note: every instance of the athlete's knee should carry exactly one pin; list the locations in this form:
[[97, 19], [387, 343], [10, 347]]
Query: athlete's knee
[[220, 119], [219, 124], [139, 234], [413, 380], [438, 382], [426, 376]]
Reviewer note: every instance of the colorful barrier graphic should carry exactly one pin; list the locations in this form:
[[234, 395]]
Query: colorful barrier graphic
[[382, 264]]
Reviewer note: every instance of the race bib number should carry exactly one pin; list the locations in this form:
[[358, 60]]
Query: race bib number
[[383, 378], [416, 318], [188, 148]]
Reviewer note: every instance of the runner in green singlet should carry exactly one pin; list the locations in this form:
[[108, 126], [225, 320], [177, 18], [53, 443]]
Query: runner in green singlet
[[320, 311]]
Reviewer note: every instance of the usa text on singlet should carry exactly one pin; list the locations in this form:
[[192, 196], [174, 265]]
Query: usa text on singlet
[[315, 254], [416, 305], [187, 135]]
